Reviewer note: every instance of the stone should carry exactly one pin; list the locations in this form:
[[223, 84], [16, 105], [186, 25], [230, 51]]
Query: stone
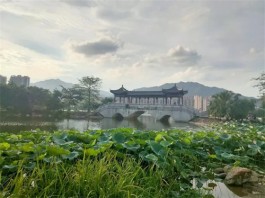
[[221, 175], [218, 170], [227, 168], [238, 176]]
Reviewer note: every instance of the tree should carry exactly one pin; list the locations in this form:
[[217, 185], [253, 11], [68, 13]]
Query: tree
[[90, 86], [14, 99], [261, 86], [260, 83], [106, 100], [230, 105], [38, 98], [55, 102], [70, 97], [220, 105], [240, 108]]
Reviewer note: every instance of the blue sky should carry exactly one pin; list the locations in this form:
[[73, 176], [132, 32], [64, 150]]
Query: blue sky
[[136, 43]]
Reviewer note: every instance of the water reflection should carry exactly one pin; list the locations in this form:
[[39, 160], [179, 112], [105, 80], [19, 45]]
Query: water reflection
[[143, 123]]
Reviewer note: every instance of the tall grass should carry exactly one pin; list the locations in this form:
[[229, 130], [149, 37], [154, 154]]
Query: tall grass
[[104, 176]]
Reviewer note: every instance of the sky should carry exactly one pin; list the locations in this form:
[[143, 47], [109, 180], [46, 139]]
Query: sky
[[135, 43]]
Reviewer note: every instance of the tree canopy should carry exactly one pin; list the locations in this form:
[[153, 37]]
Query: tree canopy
[[90, 86], [229, 105], [260, 83]]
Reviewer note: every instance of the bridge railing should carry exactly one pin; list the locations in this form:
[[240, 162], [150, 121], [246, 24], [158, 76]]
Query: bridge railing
[[147, 107]]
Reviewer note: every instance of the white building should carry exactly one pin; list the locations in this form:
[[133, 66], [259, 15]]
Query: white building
[[20, 80], [2, 80], [201, 103]]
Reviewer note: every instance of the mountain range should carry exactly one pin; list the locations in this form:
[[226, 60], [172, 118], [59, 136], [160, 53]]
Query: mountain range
[[53, 84], [193, 88]]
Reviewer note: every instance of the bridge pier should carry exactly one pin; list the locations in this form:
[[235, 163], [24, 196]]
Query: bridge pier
[[178, 113]]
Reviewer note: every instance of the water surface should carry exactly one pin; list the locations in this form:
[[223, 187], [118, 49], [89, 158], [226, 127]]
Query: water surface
[[51, 124]]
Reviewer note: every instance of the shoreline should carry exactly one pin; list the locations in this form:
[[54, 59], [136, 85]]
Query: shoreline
[[204, 122]]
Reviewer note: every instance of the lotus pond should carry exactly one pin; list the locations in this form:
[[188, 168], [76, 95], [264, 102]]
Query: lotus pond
[[125, 162]]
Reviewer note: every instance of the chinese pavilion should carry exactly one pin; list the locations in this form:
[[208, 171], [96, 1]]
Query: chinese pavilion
[[171, 96]]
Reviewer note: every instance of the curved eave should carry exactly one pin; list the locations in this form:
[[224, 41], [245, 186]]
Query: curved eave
[[121, 90], [118, 91]]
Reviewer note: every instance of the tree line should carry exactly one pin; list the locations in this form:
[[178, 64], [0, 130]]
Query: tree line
[[27, 100], [232, 106]]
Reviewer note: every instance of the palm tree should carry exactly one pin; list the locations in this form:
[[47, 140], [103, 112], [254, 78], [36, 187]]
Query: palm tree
[[221, 104]]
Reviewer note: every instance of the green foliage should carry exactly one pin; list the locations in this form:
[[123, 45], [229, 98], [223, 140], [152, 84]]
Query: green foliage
[[240, 108], [220, 105], [261, 84], [89, 87], [26, 100], [124, 162], [228, 105], [106, 100], [71, 97]]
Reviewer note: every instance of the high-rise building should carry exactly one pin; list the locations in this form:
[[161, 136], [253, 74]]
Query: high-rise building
[[2, 79], [20, 80], [206, 103], [198, 103]]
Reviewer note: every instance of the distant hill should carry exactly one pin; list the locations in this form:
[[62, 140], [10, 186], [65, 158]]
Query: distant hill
[[53, 84], [193, 88]]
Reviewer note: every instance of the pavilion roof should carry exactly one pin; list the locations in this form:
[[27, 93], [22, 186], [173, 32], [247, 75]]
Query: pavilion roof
[[119, 91], [171, 92], [173, 89]]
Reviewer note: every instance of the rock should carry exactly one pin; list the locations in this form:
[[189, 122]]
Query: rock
[[227, 168], [218, 170], [238, 176], [254, 177], [221, 175]]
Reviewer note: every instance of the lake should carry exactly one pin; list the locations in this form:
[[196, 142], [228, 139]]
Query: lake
[[51, 124]]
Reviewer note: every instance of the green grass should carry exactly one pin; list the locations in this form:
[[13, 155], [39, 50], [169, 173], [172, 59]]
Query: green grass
[[124, 162], [104, 176]]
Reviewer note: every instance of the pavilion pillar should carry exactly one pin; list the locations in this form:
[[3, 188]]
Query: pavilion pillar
[[182, 100]]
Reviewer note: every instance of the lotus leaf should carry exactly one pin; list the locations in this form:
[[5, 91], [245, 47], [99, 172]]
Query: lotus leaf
[[71, 156], [151, 157], [4, 146], [91, 152], [119, 138], [56, 150]]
